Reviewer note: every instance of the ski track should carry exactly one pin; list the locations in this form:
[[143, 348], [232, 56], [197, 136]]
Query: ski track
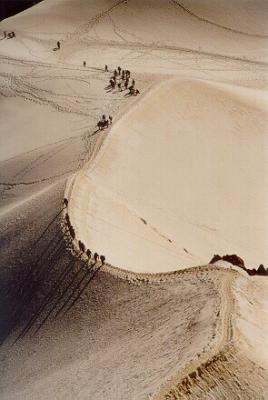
[[199, 18]]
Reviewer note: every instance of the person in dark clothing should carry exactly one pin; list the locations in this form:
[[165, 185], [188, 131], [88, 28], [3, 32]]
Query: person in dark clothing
[[58, 44], [106, 68], [68, 222], [81, 245], [11, 35], [110, 119], [126, 84], [115, 73], [84, 63], [119, 70]]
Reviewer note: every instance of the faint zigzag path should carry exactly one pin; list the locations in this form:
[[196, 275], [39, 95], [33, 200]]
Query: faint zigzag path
[[74, 36], [191, 371], [39, 161], [84, 28], [175, 2], [21, 88], [139, 46], [157, 47], [11, 184], [65, 142]]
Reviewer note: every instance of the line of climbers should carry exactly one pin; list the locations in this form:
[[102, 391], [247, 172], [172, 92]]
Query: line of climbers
[[104, 122], [81, 245]]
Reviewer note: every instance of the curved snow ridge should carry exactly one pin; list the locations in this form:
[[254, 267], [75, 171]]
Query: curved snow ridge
[[72, 242], [164, 189], [214, 367]]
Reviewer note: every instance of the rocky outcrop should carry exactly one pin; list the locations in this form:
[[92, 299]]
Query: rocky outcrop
[[239, 262], [232, 259]]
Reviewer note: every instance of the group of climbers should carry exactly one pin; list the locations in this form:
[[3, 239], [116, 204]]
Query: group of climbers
[[121, 80]]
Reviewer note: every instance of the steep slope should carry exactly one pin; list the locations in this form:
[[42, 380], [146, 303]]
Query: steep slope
[[119, 340], [170, 187]]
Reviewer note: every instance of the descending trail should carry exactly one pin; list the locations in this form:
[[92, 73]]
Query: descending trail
[[84, 28], [180, 5], [188, 378]]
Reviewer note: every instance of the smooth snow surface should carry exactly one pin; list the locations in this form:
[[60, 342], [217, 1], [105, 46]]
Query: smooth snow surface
[[181, 177]]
